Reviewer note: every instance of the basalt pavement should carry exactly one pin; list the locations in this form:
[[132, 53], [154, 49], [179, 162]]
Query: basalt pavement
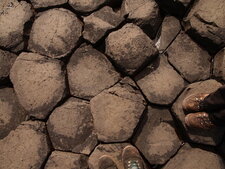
[[84, 78]]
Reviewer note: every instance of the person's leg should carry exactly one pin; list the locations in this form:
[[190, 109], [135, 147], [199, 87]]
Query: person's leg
[[218, 117]]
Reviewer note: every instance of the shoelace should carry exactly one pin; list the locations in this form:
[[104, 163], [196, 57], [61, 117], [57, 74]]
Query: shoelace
[[133, 164]]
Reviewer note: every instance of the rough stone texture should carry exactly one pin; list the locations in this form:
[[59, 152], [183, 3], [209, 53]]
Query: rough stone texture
[[90, 72], [70, 127], [39, 83], [174, 7], [13, 16], [219, 64], [159, 82], [6, 61], [116, 111], [99, 23], [169, 30], [11, 113], [86, 5], [130, 48], [210, 137], [144, 13], [26, 147], [189, 157], [156, 138], [66, 160], [47, 3], [189, 59], [205, 23], [55, 33], [112, 150]]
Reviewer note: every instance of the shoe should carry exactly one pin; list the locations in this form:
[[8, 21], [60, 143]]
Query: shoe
[[131, 158], [193, 102], [199, 120], [105, 162]]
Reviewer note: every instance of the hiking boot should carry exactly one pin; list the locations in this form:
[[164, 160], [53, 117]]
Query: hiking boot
[[193, 103], [105, 162], [199, 120], [132, 159]]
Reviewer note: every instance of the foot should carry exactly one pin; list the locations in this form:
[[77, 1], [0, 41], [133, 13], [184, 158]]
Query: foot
[[105, 162], [131, 158], [193, 102], [199, 120]]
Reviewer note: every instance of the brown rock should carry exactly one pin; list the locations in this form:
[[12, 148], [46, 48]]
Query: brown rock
[[209, 137], [130, 48], [89, 72], [6, 61], [157, 139], [39, 83], [116, 111], [11, 113], [70, 127], [159, 82], [47, 3], [55, 33], [66, 160], [205, 23], [189, 59], [219, 64], [99, 23], [11, 27], [26, 147]]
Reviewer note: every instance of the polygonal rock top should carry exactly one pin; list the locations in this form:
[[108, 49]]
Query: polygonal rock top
[[55, 33], [210, 137], [219, 64], [117, 111]]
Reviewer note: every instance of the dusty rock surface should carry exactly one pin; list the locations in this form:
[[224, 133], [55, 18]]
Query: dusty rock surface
[[219, 64], [47, 3], [189, 157], [113, 108], [90, 72], [157, 139], [6, 61], [189, 59], [11, 112], [26, 147], [130, 48], [67, 160], [205, 23], [159, 82], [39, 83], [11, 27], [70, 127], [55, 33], [99, 23], [210, 137]]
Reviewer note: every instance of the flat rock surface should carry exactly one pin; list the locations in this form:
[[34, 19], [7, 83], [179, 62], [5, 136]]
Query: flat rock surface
[[157, 139], [169, 30], [189, 59], [70, 127], [130, 48], [55, 33], [219, 64], [144, 13], [99, 23], [116, 111], [86, 5], [90, 72], [210, 137], [11, 112], [47, 3], [205, 23], [66, 160], [39, 83], [159, 82], [11, 27], [189, 157], [6, 61], [26, 147]]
